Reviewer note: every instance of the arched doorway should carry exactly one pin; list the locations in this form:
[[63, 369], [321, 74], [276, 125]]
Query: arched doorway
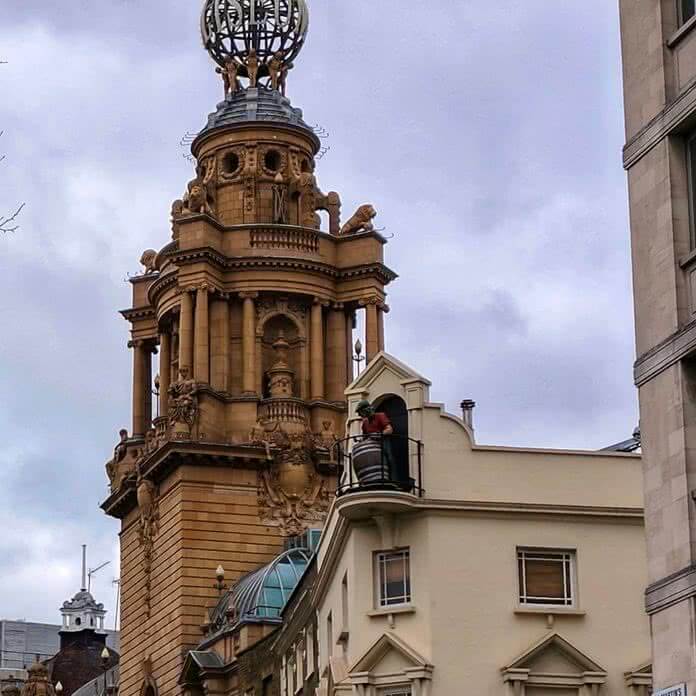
[[395, 409]]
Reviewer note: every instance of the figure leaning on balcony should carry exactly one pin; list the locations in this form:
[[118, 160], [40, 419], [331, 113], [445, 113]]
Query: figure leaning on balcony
[[376, 424]]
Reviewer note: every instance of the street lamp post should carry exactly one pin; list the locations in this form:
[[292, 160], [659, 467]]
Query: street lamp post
[[105, 658]]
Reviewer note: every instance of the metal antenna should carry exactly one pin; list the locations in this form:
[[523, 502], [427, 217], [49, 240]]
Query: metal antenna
[[92, 571], [84, 567]]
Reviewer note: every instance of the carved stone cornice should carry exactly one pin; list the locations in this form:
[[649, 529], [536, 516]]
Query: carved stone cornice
[[138, 313], [665, 354], [668, 120], [175, 453], [374, 301], [671, 590], [383, 274], [159, 286]]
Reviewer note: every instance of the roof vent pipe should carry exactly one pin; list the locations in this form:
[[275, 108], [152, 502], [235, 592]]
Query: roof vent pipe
[[468, 407]]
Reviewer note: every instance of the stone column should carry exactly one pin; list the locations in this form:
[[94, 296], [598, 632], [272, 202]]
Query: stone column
[[249, 342], [150, 349], [336, 362], [201, 359], [165, 371], [371, 327], [139, 377], [219, 343], [317, 351], [186, 333], [381, 311]]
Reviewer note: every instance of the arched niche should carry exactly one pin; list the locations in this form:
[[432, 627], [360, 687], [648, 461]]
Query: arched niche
[[395, 409], [269, 331]]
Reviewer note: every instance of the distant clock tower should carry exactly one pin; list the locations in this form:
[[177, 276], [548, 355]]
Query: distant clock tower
[[250, 309]]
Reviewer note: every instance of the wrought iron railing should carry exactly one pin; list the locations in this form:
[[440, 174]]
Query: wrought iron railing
[[297, 238], [380, 462]]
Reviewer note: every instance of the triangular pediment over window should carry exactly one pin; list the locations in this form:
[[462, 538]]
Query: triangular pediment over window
[[554, 662], [390, 659], [381, 363]]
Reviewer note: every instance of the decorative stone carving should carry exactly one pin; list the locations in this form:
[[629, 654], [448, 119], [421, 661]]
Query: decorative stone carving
[[276, 69], [280, 200], [361, 220], [269, 307], [281, 162], [148, 525], [227, 173], [38, 683], [252, 65], [281, 376], [310, 198], [149, 261], [291, 492], [195, 200], [183, 405], [230, 76], [123, 463]]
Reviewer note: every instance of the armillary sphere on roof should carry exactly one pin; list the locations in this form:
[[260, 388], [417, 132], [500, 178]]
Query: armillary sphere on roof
[[232, 29]]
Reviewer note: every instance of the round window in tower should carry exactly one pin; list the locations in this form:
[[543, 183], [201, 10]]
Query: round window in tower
[[273, 161], [230, 164]]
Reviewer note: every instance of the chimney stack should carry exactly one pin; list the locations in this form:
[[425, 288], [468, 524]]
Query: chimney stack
[[468, 412]]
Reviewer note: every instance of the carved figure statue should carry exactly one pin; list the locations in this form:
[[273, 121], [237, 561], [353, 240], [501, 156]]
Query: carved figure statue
[[275, 68], [183, 400], [147, 507], [195, 199], [253, 67], [230, 76], [283, 81], [149, 261], [310, 198], [361, 221], [119, 467], [38, 683]]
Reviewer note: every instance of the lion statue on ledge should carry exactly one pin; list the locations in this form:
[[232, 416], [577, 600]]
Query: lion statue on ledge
[[361, 221]]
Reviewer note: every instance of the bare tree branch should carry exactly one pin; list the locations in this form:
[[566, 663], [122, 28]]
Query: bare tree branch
[[6, 223]]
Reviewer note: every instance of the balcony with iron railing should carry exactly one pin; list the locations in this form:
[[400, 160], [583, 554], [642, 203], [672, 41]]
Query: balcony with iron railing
[[379, 462]]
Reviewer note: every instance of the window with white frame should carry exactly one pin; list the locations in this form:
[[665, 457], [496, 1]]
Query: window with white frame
[[546, 577], [401, 691], [310, 650], [393, 577]]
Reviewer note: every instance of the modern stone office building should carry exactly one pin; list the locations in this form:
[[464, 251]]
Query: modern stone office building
[[461, 567], [659, 67]]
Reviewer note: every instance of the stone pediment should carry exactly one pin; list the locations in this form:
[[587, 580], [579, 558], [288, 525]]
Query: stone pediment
[[385, 363], [390, 655], [554, 661]]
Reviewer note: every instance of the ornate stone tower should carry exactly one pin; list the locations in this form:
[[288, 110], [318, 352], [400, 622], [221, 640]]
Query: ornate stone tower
[[250, 309]]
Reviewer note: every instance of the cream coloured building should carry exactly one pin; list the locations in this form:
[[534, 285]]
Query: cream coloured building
[[513, 570]]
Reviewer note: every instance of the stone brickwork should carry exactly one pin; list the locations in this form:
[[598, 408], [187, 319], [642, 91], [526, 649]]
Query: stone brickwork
[[659, 67]]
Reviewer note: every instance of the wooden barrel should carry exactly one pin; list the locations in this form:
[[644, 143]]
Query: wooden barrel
[[368, 463]]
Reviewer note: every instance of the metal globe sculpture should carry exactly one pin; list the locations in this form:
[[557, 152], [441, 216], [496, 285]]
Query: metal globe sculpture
[[253, 33]]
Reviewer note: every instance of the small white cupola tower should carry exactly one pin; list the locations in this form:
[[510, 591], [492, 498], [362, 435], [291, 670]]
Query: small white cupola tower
[[83, 612]]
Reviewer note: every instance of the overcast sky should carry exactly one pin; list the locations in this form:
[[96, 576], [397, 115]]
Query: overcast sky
[[488, 136]]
